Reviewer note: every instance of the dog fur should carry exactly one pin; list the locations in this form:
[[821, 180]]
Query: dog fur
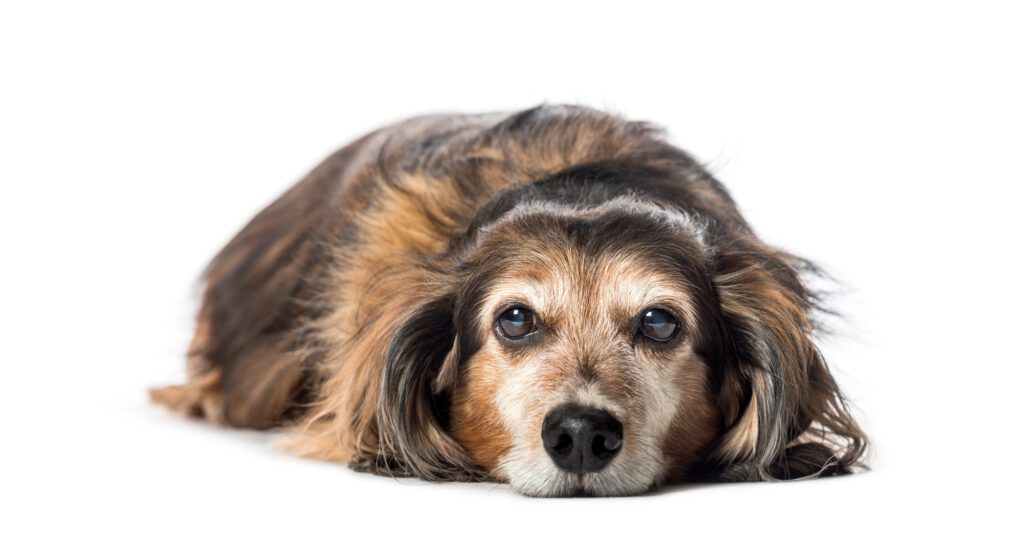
[[358, 309]]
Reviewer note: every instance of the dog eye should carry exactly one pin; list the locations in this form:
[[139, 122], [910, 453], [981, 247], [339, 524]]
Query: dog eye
[[517, 322], [658, 325]]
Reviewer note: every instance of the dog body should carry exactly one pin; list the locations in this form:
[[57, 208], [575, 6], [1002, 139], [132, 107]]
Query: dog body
[[557, 299]]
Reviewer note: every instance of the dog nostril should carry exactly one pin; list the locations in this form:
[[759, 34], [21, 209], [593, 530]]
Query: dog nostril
[[603, 446], [564, 444], [581, 439]]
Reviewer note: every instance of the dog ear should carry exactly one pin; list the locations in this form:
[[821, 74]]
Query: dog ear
[[412, 412], [795, 422]]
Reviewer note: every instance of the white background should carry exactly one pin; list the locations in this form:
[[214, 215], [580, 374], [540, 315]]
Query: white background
[[883, 140]]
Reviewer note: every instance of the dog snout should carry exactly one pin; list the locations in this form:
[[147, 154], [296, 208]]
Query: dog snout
[[581, 439]]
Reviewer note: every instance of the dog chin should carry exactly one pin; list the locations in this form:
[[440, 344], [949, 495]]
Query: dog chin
[[537, 476]]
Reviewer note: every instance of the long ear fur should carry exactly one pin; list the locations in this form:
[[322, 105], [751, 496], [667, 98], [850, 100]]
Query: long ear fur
[[796, 423], [412, 411]]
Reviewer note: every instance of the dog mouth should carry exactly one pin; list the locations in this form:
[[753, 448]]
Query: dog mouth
[[560, 484]]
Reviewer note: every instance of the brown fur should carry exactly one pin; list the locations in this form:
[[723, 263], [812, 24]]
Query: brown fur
[[350, 309]]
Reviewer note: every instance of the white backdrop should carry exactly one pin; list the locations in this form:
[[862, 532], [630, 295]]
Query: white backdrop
[[882, 140]]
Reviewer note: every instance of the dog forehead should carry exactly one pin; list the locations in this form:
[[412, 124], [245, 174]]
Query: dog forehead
[[605, 261], [562, 285]]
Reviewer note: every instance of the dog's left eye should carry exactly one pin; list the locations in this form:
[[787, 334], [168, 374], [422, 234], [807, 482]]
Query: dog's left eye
[[658, 324], [517, 322]]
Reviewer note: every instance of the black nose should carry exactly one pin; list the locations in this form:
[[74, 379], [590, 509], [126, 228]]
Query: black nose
[[581, 439]]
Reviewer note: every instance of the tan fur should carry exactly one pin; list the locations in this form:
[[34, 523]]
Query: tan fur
[[478, 424], [200, 397]]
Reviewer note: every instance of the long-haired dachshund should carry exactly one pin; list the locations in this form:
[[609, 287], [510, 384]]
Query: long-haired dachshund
[[557, 299]]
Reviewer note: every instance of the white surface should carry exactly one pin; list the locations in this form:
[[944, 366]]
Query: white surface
[[882, 141]]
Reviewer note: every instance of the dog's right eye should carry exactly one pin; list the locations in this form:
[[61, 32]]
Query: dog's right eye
[[516, 322], [658, 325]]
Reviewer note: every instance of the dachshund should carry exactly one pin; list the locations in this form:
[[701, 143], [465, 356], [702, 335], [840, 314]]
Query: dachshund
[[557, 299]]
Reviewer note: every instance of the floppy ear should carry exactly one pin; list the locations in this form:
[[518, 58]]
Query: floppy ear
[[792, 421], [412, 412]]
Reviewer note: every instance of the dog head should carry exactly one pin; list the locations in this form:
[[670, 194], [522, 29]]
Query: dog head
[[603, 348]]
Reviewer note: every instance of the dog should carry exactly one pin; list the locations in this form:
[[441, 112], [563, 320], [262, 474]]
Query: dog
[[557, 299]]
